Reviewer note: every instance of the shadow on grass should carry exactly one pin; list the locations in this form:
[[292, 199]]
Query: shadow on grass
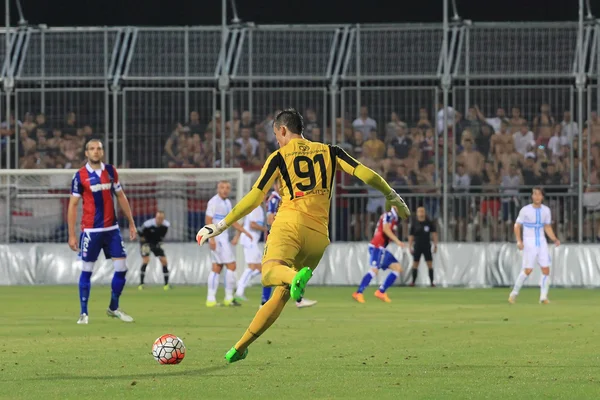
[[157, 374]]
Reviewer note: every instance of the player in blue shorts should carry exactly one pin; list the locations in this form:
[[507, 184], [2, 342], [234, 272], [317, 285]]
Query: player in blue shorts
[[381, 258], [96, 184], [273, 202]]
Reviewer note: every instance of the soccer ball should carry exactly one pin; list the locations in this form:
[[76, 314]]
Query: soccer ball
[[168, 349]]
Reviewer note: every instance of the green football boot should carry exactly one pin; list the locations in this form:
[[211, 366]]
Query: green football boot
[[299, 283], [233, 355]]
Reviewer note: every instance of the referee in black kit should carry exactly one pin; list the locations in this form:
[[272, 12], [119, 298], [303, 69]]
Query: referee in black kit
[[422, 230]]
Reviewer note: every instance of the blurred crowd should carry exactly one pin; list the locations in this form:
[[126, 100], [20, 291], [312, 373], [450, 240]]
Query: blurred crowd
[[41, 144], [490, 157]]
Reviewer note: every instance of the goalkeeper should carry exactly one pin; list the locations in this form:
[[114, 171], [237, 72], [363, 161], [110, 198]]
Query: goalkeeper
[[152, 233], [299, 235]]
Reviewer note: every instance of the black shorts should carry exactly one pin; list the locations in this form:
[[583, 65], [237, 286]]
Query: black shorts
[[422, 251], [154, 248]]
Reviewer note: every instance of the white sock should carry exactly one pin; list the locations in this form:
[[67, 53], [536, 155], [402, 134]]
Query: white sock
[[254, 274], [243, 282], [213, 285], [544, 287], [520, 281], [229, 284]]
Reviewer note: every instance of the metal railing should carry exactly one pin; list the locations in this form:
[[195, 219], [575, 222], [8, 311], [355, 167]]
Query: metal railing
[[136, 88]]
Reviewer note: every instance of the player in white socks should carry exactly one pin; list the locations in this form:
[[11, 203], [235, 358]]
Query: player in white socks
[[221, 250], [255, 224], [536, 221]]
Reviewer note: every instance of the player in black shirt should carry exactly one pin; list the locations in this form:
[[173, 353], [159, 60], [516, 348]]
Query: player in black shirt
[[422, 230], [152, 233]]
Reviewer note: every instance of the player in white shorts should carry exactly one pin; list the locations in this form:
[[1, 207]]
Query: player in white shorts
[[536, 221], [221, 251], [255, 224]]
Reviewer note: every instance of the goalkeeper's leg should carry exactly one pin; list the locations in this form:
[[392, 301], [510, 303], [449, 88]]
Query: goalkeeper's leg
[[145, 261]]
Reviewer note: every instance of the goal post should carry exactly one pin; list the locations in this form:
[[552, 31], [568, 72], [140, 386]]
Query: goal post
[[33, 203]]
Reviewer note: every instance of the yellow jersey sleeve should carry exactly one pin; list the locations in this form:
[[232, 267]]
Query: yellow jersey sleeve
[[346, 162], [269, 172], [249, 202], [352, 167]]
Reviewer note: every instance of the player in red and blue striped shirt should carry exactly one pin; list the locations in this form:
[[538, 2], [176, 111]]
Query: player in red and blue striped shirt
[[96, 184], [272, 205]]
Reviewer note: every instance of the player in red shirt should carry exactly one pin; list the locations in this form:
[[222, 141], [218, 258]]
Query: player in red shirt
[[381, 258], [97, 184]]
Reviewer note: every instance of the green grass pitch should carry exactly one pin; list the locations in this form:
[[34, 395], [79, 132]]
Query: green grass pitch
[[427, 344]]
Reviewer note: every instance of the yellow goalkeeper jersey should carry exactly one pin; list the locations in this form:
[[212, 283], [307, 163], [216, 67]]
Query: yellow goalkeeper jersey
[[306, 171]]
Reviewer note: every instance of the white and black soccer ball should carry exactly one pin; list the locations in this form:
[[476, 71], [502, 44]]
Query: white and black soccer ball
[[168, 349]]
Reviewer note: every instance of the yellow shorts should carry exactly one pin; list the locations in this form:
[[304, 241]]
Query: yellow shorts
[[296, 245]]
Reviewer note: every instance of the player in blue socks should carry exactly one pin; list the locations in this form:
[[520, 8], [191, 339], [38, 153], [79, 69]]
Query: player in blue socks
[[98, 184], [381, 258]]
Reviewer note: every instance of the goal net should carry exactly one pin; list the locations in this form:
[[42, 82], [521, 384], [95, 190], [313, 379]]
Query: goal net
[[33, 203]]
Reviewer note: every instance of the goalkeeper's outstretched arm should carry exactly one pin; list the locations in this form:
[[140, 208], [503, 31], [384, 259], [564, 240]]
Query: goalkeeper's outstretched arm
[[249, 202], [371, 178]]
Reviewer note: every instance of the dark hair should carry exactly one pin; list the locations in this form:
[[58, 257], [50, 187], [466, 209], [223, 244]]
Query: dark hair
[[291, 119], [541, 190]]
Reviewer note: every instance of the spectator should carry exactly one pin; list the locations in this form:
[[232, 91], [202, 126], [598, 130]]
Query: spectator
[[358, 144], [311, 124], [557, 141], [28, 145], [516, 121], [528, 172], [523, 138], [390, 127], [70, 127], [248, 145], [374, 147], [472, 160], [40, 121], [569, 128], [511, 180], [497, 121], [249, 123], [401, 143], [215, 124], [364, 123], [593, 127], [490, 205], [503, 136], [462, 183], [175, 141], [475, 120], [194, 125], [543, 124], [484, 142], [29, 122], [427, 147], [424, 123], [234, 124], [450, 119], [390, 164]]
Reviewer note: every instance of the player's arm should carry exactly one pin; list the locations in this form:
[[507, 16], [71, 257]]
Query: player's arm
[[124, 204], [517, 230], [434, 236], [387, 230], [238, 227], [352, 167], [72, 220], [249, 202], [270, 218], [411, 236], [258, 226], [76, 193], [549, 231]]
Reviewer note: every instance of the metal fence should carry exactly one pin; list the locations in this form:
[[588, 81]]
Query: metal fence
[[141, 89]]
